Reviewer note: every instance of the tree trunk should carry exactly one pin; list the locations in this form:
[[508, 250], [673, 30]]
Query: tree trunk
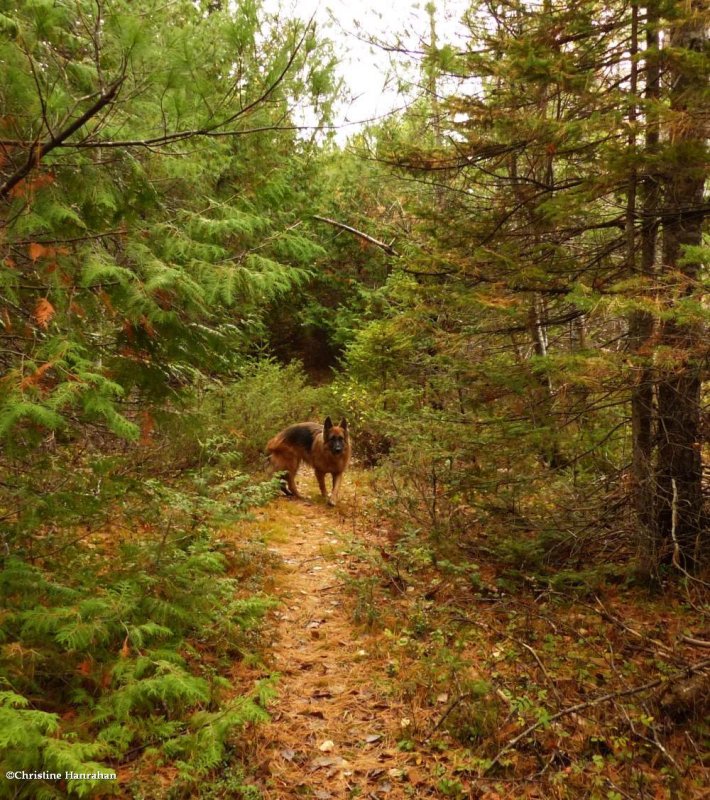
[[641, 327], [678, 512]]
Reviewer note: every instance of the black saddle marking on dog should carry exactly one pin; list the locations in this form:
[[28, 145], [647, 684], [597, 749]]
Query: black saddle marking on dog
[[301, 436]]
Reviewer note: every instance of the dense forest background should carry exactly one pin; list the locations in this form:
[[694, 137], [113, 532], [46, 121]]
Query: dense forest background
[[501, 287]]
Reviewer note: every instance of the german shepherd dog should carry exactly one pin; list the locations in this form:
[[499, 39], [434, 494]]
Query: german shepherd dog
[[325, 447]]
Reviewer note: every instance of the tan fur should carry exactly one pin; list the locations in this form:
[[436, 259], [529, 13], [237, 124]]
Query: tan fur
[[314, 444]]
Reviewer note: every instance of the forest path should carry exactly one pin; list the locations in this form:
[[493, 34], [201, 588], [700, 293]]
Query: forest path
[[336, 721]]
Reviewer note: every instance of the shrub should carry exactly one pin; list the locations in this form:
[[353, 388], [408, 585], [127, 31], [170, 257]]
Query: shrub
[[102, 646]]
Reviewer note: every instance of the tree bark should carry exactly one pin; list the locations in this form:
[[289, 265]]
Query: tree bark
[[641, 328], [678, 512]]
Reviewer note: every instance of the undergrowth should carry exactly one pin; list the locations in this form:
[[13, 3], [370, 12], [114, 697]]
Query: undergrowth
[[125, 608], [491, 633], [121, 648]]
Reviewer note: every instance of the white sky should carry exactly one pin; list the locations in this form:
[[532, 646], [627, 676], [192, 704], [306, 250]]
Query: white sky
[[367, 69]]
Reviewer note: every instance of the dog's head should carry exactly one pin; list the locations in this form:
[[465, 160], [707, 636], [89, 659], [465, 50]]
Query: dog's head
[[335, 436]]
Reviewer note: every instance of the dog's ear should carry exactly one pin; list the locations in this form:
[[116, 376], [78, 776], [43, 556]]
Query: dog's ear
[[327, 425], [344, 424]]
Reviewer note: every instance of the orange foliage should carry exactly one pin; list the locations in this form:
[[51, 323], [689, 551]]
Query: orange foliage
[[147, 326], [106, 300], [28, 187], [36, 377], [128, 330], [84, 667], [37, 251], [43, 313]]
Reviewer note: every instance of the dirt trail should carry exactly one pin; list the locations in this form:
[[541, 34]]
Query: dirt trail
[[334, 728]]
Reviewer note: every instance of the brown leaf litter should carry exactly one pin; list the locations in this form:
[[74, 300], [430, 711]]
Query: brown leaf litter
[[334, 727]]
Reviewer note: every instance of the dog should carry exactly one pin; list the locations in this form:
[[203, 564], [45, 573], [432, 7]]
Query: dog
[[325, 447]]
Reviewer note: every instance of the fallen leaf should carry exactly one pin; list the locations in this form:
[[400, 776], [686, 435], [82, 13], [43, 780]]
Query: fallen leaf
[[329, 761], [287, 754], [323, 761], [326, 746], [373, 737], [313, 713]]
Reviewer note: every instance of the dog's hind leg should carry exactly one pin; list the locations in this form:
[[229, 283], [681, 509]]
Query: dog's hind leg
[[291, 480], [287, 466]]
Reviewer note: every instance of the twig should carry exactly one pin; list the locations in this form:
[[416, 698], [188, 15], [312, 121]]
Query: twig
[[694, 642], [446, 713], [113, 232], [690, 670], [657, 742], [607, 616], [517, 641]]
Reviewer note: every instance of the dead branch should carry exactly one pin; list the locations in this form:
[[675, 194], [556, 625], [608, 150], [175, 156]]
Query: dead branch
[[607, 616], [37, 151], [366, 237], [517, 641], [446, 713], [694, 642], [605, 698]]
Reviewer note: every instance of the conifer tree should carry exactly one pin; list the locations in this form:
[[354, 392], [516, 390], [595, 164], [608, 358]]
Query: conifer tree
[[146, 177], [571, 143]]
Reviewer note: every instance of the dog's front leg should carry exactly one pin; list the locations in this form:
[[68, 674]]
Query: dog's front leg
[[321, 483], [337, 480]]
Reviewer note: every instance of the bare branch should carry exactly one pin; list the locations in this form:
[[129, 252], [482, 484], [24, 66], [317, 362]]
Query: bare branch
[[366, 237], [605, 698]]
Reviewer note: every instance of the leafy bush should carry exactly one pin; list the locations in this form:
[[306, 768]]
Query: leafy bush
[[266, 396]]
